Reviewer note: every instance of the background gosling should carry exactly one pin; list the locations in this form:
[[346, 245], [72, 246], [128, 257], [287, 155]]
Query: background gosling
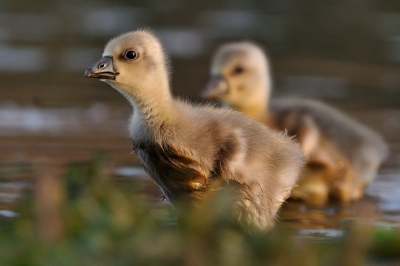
[[342, 155], [192, 151]]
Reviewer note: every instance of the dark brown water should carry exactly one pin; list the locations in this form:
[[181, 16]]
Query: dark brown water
[[344, 53]]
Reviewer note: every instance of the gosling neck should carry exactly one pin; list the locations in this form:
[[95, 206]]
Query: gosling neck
[[257, 103], [151, 102], [256, 109]]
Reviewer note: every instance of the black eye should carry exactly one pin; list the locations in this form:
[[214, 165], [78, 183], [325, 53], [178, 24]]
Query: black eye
[[238, 70], [130, 55]]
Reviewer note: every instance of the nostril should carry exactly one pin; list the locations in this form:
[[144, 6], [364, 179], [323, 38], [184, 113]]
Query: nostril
[[102, 65], [220, 85]]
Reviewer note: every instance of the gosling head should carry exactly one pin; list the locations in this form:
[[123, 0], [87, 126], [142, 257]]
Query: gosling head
[[239, 75], [133, 63]]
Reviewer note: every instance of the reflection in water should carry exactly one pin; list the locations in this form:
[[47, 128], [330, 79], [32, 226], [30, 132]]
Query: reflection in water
[[182, 42], [15, 59], [8, 214], [74, 58], [131, 172], [110, 20], [17, 120], [386, 190], [241, 24], [231, 19], [29, 26], [321, 233]]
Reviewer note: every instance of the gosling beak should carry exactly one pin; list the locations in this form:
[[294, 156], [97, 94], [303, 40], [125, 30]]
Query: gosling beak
[[215, 88], [102, 69]]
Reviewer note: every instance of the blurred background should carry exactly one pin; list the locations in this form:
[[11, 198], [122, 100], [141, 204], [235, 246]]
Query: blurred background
[[343, 52]]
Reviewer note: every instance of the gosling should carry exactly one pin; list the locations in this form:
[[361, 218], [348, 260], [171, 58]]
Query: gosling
[[342, 155], [192, 152]]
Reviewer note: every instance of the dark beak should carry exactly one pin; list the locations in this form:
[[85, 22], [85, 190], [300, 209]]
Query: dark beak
[[102, 69], [216, 87]]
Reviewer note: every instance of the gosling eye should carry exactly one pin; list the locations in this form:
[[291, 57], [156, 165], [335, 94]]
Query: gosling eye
[[130, 55], [237, 70]]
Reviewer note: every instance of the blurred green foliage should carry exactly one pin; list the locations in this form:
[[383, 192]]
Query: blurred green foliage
[[111, 223]]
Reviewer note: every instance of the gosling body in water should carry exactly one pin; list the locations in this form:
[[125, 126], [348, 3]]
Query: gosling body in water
[[192, 151], [342, 155]]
